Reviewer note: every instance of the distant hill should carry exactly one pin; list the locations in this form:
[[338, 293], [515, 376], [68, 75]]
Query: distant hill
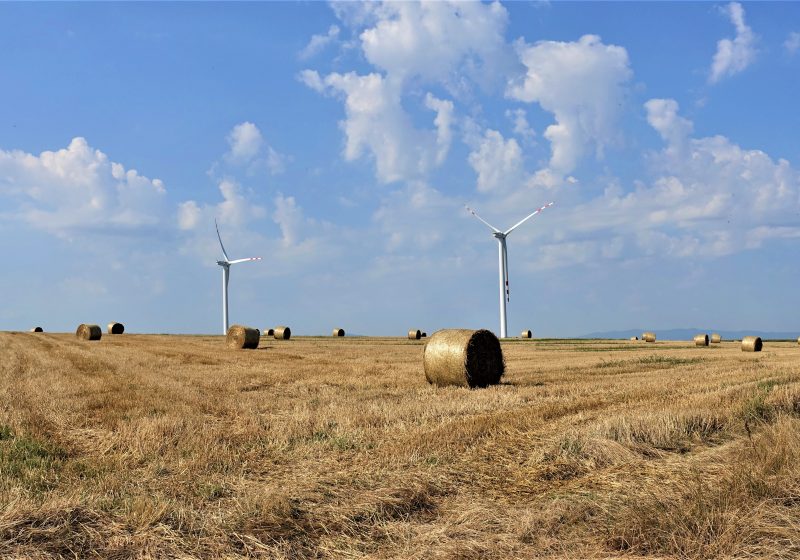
[[688, 333]]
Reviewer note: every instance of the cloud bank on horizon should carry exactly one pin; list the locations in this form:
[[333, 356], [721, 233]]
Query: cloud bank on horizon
[[432, 104]]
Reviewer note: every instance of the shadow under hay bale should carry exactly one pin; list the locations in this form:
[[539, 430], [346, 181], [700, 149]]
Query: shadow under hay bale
[[526, 334], [414, 334], [37, 329], [282, 333], [701, 340], [89, 332], [242, 338], [649, 337], [116, 328], [337, 332], [463, 357], [751, 344], [716, 338]]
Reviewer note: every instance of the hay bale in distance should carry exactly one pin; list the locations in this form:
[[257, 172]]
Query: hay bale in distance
[[89, 332], [751, 344], [338, 332], [526, 334], [634, 338], [37, 329], [242, 338], [269, 332], [463, 357], [116, 328], [649, 337], [701, 340], [425, 335], [282, 333], [415, 334], [715, 338], [798, 340]]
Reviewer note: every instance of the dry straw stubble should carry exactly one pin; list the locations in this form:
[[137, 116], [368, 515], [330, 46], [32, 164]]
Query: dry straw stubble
[[463, 357], [241, 337], [88, 332], [701, 340], [282, 333], [751, 344]]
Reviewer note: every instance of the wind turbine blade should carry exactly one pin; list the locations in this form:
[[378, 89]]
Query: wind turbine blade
[[220, 241], [471, 211], [245, 260], [528, 217]]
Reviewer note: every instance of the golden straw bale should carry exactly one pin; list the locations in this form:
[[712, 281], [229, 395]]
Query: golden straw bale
[[526, 334], [338, 332], [282, 333], [37, 329], [89, 332], [414, 334], [116, 328], [242, 337], [269, 332], [751, 344], [701, 340], [716, 338], [463, 357], [634, 338], [649, 337]]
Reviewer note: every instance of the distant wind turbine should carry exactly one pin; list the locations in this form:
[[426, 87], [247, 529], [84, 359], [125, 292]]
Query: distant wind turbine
[[226, 273], [505, 293]]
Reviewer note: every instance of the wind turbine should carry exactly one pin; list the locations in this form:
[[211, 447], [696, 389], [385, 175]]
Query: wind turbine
[[505, 293], [226, 273]]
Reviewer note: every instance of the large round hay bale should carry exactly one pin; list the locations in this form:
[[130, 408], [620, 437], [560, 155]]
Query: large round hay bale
[[751, 344], [282, 333], [463, 357], [415, 334], [798, 340], [338, 332], [526, 334], [715, 338], [242, 337], [269, 332], [37, 329], [116, 328], [88, 332], [649, 337], [701, 340]]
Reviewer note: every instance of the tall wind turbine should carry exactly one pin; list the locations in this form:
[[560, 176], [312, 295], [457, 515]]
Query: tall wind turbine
[[505, 293], [226, 274]]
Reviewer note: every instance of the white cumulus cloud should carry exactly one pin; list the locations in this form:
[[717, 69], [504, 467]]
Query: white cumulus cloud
[[792, 43], [318, 42], [497, 162], [734, 55]]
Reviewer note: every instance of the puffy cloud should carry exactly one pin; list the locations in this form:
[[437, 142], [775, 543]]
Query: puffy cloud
[[521, 126], [188, 215], [792, 43], [79, 188], [497, 161], [245, 142], [583, 84], [376, 122], [662, 114], [289, 217], [735, 55], [235, 209], [319, 42]]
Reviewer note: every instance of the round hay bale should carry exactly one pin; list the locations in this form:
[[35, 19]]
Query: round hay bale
[[634, 338], [282, 333], [649, 337], [116, 328], [701, 340], [526, 334], [751, 344], [715, 338], [798, 340], [338, 332], [415, 334], [425, 335], [37, 329], [463, 357], [88, 332], [242, 338], [269, 332]]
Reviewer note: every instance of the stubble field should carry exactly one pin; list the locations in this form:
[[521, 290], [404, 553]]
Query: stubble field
[[176, 447]]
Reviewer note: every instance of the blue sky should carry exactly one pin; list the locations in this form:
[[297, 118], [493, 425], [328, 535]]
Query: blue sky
[[340, 143]]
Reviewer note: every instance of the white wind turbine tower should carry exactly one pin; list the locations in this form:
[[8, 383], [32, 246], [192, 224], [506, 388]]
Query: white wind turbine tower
[[505, 294], [226, 273]]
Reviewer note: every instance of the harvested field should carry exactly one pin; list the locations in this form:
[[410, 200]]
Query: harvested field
[[166, 446]]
